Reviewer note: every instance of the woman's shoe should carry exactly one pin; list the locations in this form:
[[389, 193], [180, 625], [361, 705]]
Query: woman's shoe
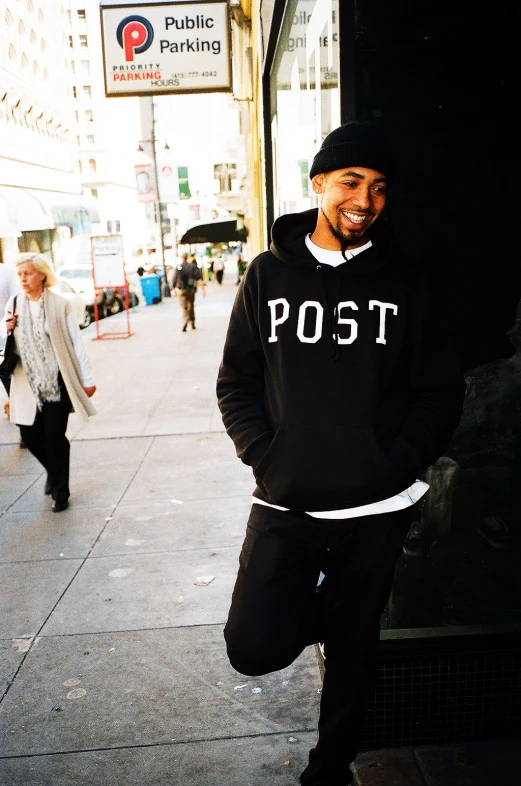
[[58, 506]]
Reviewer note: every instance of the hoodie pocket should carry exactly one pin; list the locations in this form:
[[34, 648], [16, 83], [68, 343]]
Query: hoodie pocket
[[327, 467]]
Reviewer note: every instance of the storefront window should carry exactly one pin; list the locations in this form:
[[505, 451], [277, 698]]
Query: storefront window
[[303, 109]]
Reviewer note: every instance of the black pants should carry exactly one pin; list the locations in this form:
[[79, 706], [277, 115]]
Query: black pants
[[219, 276], [47, 442], [277, 610]]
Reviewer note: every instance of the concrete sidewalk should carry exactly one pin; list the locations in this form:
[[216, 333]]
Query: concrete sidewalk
[[113, 669]]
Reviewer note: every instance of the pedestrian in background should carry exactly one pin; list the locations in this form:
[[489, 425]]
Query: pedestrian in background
[[53, 376], [340, 384], [218, 267], [241, 268], [187, 279]]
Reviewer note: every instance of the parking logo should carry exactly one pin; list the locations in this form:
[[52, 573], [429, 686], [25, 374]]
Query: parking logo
[[135, 34]]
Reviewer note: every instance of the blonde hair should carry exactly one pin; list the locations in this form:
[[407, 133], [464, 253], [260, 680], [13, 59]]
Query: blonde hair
[[41, 264]]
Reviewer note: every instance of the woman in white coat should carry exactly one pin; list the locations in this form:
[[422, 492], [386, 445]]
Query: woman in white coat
[[53, 376]]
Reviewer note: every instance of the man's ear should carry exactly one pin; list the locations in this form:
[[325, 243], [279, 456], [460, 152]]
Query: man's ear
[[318, 183]]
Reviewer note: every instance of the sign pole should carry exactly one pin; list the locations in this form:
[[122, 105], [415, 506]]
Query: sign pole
[[166, 286]]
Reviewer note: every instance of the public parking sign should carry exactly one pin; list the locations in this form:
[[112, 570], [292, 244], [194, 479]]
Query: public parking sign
[[155, 48]]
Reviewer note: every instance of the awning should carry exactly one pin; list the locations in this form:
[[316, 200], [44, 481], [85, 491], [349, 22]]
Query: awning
[[67, 209], [220, 231], [24, 210], [26, 213], [8, 218]]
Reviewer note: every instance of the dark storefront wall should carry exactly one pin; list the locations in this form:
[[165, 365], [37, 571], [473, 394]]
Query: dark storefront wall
[[443, 79]]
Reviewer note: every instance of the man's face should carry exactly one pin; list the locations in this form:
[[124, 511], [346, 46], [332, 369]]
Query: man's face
[[351, 201]]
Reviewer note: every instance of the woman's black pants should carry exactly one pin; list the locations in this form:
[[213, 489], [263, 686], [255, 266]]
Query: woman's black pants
[[47, 442], [277, 610]]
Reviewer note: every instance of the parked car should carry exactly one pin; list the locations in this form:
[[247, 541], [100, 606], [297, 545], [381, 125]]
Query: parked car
[[110, 301], [77, 301], [80, 278]]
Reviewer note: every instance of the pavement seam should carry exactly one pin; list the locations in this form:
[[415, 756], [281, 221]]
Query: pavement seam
[[80, 566], [194, 741], [123, 630], [134, 436], [7, 509]]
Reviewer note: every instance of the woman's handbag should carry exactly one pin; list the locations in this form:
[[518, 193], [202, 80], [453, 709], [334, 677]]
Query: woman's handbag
[[8, 364]]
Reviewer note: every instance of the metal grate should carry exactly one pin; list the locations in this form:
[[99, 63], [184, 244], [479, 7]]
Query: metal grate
[[443, 699]]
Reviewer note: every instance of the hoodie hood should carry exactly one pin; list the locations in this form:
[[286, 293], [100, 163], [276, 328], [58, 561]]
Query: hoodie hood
[[288, 244]]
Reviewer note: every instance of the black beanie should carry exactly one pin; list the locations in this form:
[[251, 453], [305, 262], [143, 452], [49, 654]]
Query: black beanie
[[355, 144]]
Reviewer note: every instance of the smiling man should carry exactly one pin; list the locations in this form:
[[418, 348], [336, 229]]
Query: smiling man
[[340, 384]]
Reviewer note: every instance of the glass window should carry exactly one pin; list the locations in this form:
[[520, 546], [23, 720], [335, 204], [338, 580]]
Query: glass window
[[83, 40], [224, 175], [94, 193], [85, 65], [88, 115], [82, 13], [87, 91], [304, 98], [90, 139]]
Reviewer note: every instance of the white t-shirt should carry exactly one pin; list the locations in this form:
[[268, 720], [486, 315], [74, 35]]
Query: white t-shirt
[[400, 501]]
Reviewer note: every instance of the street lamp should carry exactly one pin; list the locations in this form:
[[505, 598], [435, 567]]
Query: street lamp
[[166, 287]]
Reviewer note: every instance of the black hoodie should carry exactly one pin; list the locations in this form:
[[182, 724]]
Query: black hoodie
[[338, 385]]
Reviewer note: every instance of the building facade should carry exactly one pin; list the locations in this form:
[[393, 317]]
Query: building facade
[[41, 206], [106, 132]]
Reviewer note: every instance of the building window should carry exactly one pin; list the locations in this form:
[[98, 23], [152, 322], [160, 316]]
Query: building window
[[71, 42], [80, 168], [90, 139], [297, 112], [73, 69], [76, 115], [87, 91], [92, 164], [74, 91], [88, 115], [85, 66], [78, 140], [94, 193], [83, 40], [69, 20], [224, 174], [82, 14]]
